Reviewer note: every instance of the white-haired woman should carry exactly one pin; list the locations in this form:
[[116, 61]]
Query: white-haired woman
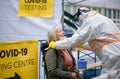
[[60, 63]]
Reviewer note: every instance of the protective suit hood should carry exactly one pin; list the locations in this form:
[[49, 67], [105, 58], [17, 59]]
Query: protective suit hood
[[81, 14]]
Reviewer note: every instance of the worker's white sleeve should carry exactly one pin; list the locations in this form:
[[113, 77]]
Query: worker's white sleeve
[[87, 46], [80, 36]]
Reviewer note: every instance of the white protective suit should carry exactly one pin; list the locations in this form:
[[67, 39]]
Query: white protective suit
[[102, 36]]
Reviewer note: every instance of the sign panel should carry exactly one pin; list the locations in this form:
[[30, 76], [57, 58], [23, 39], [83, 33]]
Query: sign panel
[[19, 60], [38, 8]]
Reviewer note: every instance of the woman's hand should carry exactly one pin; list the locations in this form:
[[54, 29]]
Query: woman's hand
[[74, 75]]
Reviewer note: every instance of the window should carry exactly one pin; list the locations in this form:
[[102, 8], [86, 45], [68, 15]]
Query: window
[[118, 14], [109, 13], [105, 12], [67, 8], [74, 9], [99, 10], [114, 14]]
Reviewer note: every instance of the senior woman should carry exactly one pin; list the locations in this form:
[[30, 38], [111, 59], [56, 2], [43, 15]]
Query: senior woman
[[60, 63]]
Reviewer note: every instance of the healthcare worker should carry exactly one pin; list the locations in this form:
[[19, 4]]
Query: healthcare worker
[[101, 34]]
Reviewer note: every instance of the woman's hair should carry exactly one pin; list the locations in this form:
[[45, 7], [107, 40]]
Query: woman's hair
[[52, 33]]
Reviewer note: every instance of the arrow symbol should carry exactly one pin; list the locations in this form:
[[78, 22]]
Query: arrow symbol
[[16, 77]]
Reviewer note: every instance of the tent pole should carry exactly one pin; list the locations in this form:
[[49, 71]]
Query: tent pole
[[62, 19]]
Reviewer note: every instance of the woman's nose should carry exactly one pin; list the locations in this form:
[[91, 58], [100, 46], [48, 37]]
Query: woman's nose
[[63, 32]]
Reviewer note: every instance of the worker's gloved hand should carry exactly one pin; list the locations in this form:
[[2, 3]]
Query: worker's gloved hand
[[52, 44], [81, 46]]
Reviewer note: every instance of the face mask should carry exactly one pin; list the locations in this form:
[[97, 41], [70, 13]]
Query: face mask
[[79, 23]]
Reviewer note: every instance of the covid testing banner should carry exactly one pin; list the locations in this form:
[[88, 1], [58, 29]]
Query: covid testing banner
[[38, 8], [19, 59]]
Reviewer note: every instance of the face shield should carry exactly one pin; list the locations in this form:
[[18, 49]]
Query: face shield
[[80, 11]]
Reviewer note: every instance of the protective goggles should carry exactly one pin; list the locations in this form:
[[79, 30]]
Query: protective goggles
[[79, 12]]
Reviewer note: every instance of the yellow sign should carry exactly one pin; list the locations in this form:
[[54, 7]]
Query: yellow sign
[[19, 60], [38, 8]]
